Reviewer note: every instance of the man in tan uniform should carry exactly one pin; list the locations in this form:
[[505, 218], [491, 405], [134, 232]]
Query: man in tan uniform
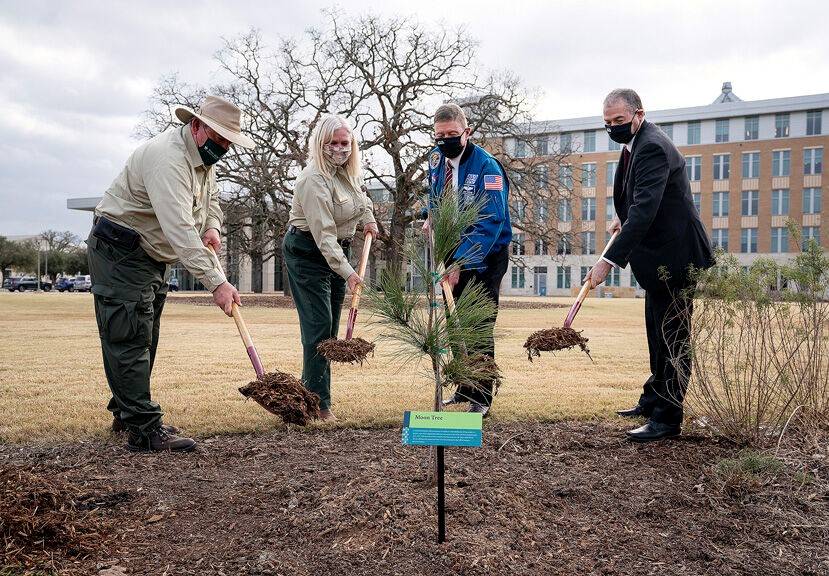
[[162, 208]]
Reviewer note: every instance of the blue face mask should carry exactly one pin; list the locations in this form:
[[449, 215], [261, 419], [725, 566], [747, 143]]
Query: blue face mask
[[210, 152]]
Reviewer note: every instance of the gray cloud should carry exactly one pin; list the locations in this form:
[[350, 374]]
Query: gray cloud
[[76, 76]]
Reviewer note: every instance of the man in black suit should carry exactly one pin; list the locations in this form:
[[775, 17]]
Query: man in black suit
[[659, 232]]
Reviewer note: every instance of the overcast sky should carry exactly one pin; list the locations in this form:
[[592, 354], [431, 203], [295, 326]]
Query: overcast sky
[[75, 76]]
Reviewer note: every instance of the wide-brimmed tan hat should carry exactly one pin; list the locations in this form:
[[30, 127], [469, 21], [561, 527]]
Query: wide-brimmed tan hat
[[222, 116]]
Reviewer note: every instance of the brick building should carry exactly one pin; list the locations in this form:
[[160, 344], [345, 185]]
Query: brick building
[[752, 166]]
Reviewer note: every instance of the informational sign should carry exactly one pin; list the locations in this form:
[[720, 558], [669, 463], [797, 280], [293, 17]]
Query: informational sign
[[442, 428]]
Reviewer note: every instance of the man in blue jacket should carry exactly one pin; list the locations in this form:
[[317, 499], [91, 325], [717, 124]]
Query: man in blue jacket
[[484, 249]]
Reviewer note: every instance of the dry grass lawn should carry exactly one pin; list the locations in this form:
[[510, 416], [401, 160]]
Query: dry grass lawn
[[52, 384]]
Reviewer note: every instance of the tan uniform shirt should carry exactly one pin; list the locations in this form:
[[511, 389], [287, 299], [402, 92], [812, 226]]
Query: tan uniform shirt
[[167, 195], [330, 208]]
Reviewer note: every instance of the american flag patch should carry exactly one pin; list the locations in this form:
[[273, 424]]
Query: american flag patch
[[493, 182]]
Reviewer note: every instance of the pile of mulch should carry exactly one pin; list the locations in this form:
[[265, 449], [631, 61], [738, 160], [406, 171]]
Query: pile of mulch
[[47, 521], [352, 351], [538, 498], [282, 301], [284, 395], [554, 339]]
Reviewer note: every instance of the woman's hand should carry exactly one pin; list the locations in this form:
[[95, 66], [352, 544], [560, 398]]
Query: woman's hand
[[353, 281], [371, 228]]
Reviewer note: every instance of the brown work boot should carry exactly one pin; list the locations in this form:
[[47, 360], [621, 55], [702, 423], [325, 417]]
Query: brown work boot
[[326, 415], [119, 426], [159, 440]]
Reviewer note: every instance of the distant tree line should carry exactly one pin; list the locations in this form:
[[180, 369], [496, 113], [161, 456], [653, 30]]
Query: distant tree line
[[60, 253]]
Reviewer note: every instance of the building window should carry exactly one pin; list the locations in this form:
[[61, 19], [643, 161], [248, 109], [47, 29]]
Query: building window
[[697, 198], [720, 204], [693, 132], [810, 233], [751, 165], [721, 130], [780, 202], [614, 278], [588, 209], [540, 247], [565, 142], [565, 176], [811, 200], [750, 202], [520, 149], [781, 125], [748, 241], [519, 209], [563, 277], [565, 212], [590, 141], [517, 277], [611, 173], [609, 208], [518, 248], [812, 161], [781, 162], [719, 238], [722, 166], [540, 211], [612, 145], [693, 167], [588, 242], [584, 271], [541, 147], [588, 175], [668, 129], [813, 122], [779, 240], [564, 245], [633, 282], [542, 176], [752, 127]]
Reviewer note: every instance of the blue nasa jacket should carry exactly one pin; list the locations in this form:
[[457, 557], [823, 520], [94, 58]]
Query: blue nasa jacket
[[480, 176]]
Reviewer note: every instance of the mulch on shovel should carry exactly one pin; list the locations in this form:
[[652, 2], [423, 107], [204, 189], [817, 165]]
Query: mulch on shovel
[[351, 351], [284, 395], [553, 339], [47, 520]]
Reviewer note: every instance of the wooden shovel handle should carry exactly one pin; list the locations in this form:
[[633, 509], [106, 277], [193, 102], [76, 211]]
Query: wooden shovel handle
[[244, 333], [361, 269], [585, 289]]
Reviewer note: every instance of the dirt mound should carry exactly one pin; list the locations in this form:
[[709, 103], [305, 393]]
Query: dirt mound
[[45, 521], [553, 339], [351, 351], [284, 395]]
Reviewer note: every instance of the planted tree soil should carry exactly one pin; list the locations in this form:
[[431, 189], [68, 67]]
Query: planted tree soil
[[285, 396], [554, 339], [353, 351], [536, 499], [281, 301]]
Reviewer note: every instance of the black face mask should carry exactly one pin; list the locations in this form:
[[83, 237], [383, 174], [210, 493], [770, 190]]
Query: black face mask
[[621, 134], [210, 152], [450, 147]]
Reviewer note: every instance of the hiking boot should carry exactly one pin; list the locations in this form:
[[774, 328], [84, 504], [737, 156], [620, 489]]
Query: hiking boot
[[159, 440], [119, 426]]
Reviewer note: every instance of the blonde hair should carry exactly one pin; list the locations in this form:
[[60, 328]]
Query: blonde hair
[[322, 135]]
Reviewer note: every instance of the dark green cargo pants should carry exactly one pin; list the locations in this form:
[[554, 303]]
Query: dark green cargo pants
[[318, 294], [129, 290]]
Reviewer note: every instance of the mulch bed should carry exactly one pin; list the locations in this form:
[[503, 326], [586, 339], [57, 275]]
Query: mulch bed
[[560, 499], [284, 395], [281, 301]]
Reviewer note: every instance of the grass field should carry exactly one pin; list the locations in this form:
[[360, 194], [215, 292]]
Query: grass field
[[52, 384]]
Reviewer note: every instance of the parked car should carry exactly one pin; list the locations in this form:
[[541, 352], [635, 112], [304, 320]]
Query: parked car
[[7, 282], [83, 283], [173, 282], [28, 283], [65, 284]]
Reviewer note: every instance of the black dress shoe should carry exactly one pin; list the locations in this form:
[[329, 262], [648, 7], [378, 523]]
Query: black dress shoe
[[652, 431], [477, 408], [455, 399], [635, 412]]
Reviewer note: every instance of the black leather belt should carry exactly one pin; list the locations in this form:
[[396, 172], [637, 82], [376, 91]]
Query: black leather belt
[[344, 242]]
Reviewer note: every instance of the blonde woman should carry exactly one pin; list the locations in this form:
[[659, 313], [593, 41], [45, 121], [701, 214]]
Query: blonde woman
[[328, 205]]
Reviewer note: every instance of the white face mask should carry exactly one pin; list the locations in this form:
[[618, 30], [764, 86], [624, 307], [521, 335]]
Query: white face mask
[[337, 155]]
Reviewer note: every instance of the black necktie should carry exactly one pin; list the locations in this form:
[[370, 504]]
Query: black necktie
[[625, 160]]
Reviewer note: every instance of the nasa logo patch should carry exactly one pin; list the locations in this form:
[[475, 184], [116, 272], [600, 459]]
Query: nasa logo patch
[[434, 159]]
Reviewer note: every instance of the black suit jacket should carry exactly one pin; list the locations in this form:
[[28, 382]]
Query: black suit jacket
[[660, 225]]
